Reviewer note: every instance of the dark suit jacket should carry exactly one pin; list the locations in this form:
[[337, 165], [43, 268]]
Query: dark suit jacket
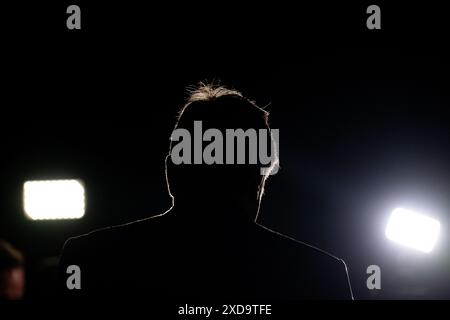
[[164, 258]]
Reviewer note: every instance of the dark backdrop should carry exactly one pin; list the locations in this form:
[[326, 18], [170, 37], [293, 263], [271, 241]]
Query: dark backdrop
[[363, 122]]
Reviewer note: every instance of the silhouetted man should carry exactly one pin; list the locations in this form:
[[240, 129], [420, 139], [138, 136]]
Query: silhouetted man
[[208, 244]]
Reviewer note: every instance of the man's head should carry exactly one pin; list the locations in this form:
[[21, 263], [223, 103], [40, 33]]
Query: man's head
[[12, 273], [214, 175]]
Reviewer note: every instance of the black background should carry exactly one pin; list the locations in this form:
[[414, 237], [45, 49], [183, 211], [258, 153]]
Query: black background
[[363, 118]]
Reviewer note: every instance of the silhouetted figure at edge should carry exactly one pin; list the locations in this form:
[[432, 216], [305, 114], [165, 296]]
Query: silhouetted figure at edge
[[208, 244]]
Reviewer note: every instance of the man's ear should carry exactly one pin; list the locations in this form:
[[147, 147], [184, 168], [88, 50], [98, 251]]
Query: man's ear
[[168, 165]]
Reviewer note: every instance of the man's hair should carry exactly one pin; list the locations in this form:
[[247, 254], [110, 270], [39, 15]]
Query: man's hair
[[205, 92], [10, 257]]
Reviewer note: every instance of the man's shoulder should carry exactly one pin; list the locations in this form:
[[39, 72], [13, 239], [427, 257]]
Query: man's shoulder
[[320, 266], [287, 242], [114, 237]]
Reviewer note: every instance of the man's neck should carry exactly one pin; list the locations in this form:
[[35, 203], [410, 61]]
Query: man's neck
[[214, 212]]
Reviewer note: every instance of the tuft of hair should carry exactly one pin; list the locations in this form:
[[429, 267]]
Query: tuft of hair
[[204, 92], [207, 92]]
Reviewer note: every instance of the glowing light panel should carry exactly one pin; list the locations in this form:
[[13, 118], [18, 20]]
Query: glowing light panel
[[413, 230], [54, 199]]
